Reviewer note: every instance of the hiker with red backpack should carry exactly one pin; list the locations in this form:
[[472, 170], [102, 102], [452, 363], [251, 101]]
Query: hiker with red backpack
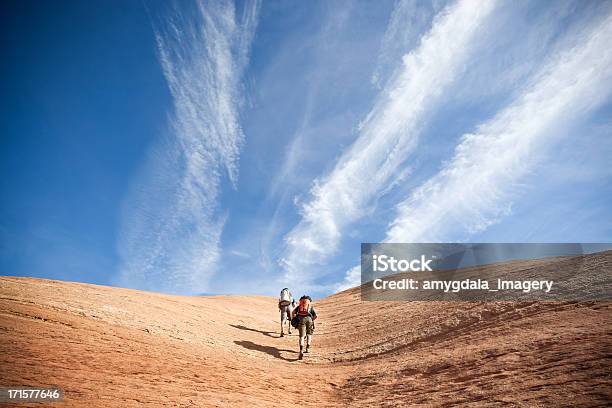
[[303, 317]]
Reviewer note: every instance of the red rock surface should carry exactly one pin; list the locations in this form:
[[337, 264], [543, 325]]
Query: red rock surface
[[112, 347]]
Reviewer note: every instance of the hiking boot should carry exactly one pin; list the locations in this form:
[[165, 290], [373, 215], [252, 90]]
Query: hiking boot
[[307, 349], [300, 356], [282, 334]]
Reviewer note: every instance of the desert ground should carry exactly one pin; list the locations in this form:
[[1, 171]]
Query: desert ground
[[113, 347]]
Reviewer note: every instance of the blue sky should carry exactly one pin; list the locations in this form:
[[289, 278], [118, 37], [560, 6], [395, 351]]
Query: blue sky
[[218, 147]]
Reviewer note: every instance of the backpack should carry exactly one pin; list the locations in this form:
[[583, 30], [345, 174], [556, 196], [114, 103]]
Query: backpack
[[285, 297], [304, 307]]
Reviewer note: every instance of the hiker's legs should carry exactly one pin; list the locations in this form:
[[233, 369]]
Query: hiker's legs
[[309, 328], [306, 329], [302, 329], [289, 317], [283, 313]]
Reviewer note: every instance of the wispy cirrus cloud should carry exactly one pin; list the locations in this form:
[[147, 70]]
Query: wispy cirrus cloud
[[476, 187], [171, 223], [409, 19], [386, 138]]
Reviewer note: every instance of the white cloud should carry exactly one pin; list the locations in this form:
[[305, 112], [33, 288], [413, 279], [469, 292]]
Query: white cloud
[[351, 279], [387, 137], [409, 19], [171, 227], [475, 188]]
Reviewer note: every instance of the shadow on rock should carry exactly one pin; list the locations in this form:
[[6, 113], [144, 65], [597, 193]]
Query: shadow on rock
[[265, 333], [273, 351]]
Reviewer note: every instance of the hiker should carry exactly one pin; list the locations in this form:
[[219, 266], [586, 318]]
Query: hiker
[[303, 317], [286, 303]]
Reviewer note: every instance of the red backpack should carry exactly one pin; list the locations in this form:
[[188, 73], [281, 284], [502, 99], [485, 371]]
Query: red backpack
[[304, 307]]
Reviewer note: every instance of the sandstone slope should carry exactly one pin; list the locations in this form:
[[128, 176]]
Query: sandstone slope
[[113, 347]]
